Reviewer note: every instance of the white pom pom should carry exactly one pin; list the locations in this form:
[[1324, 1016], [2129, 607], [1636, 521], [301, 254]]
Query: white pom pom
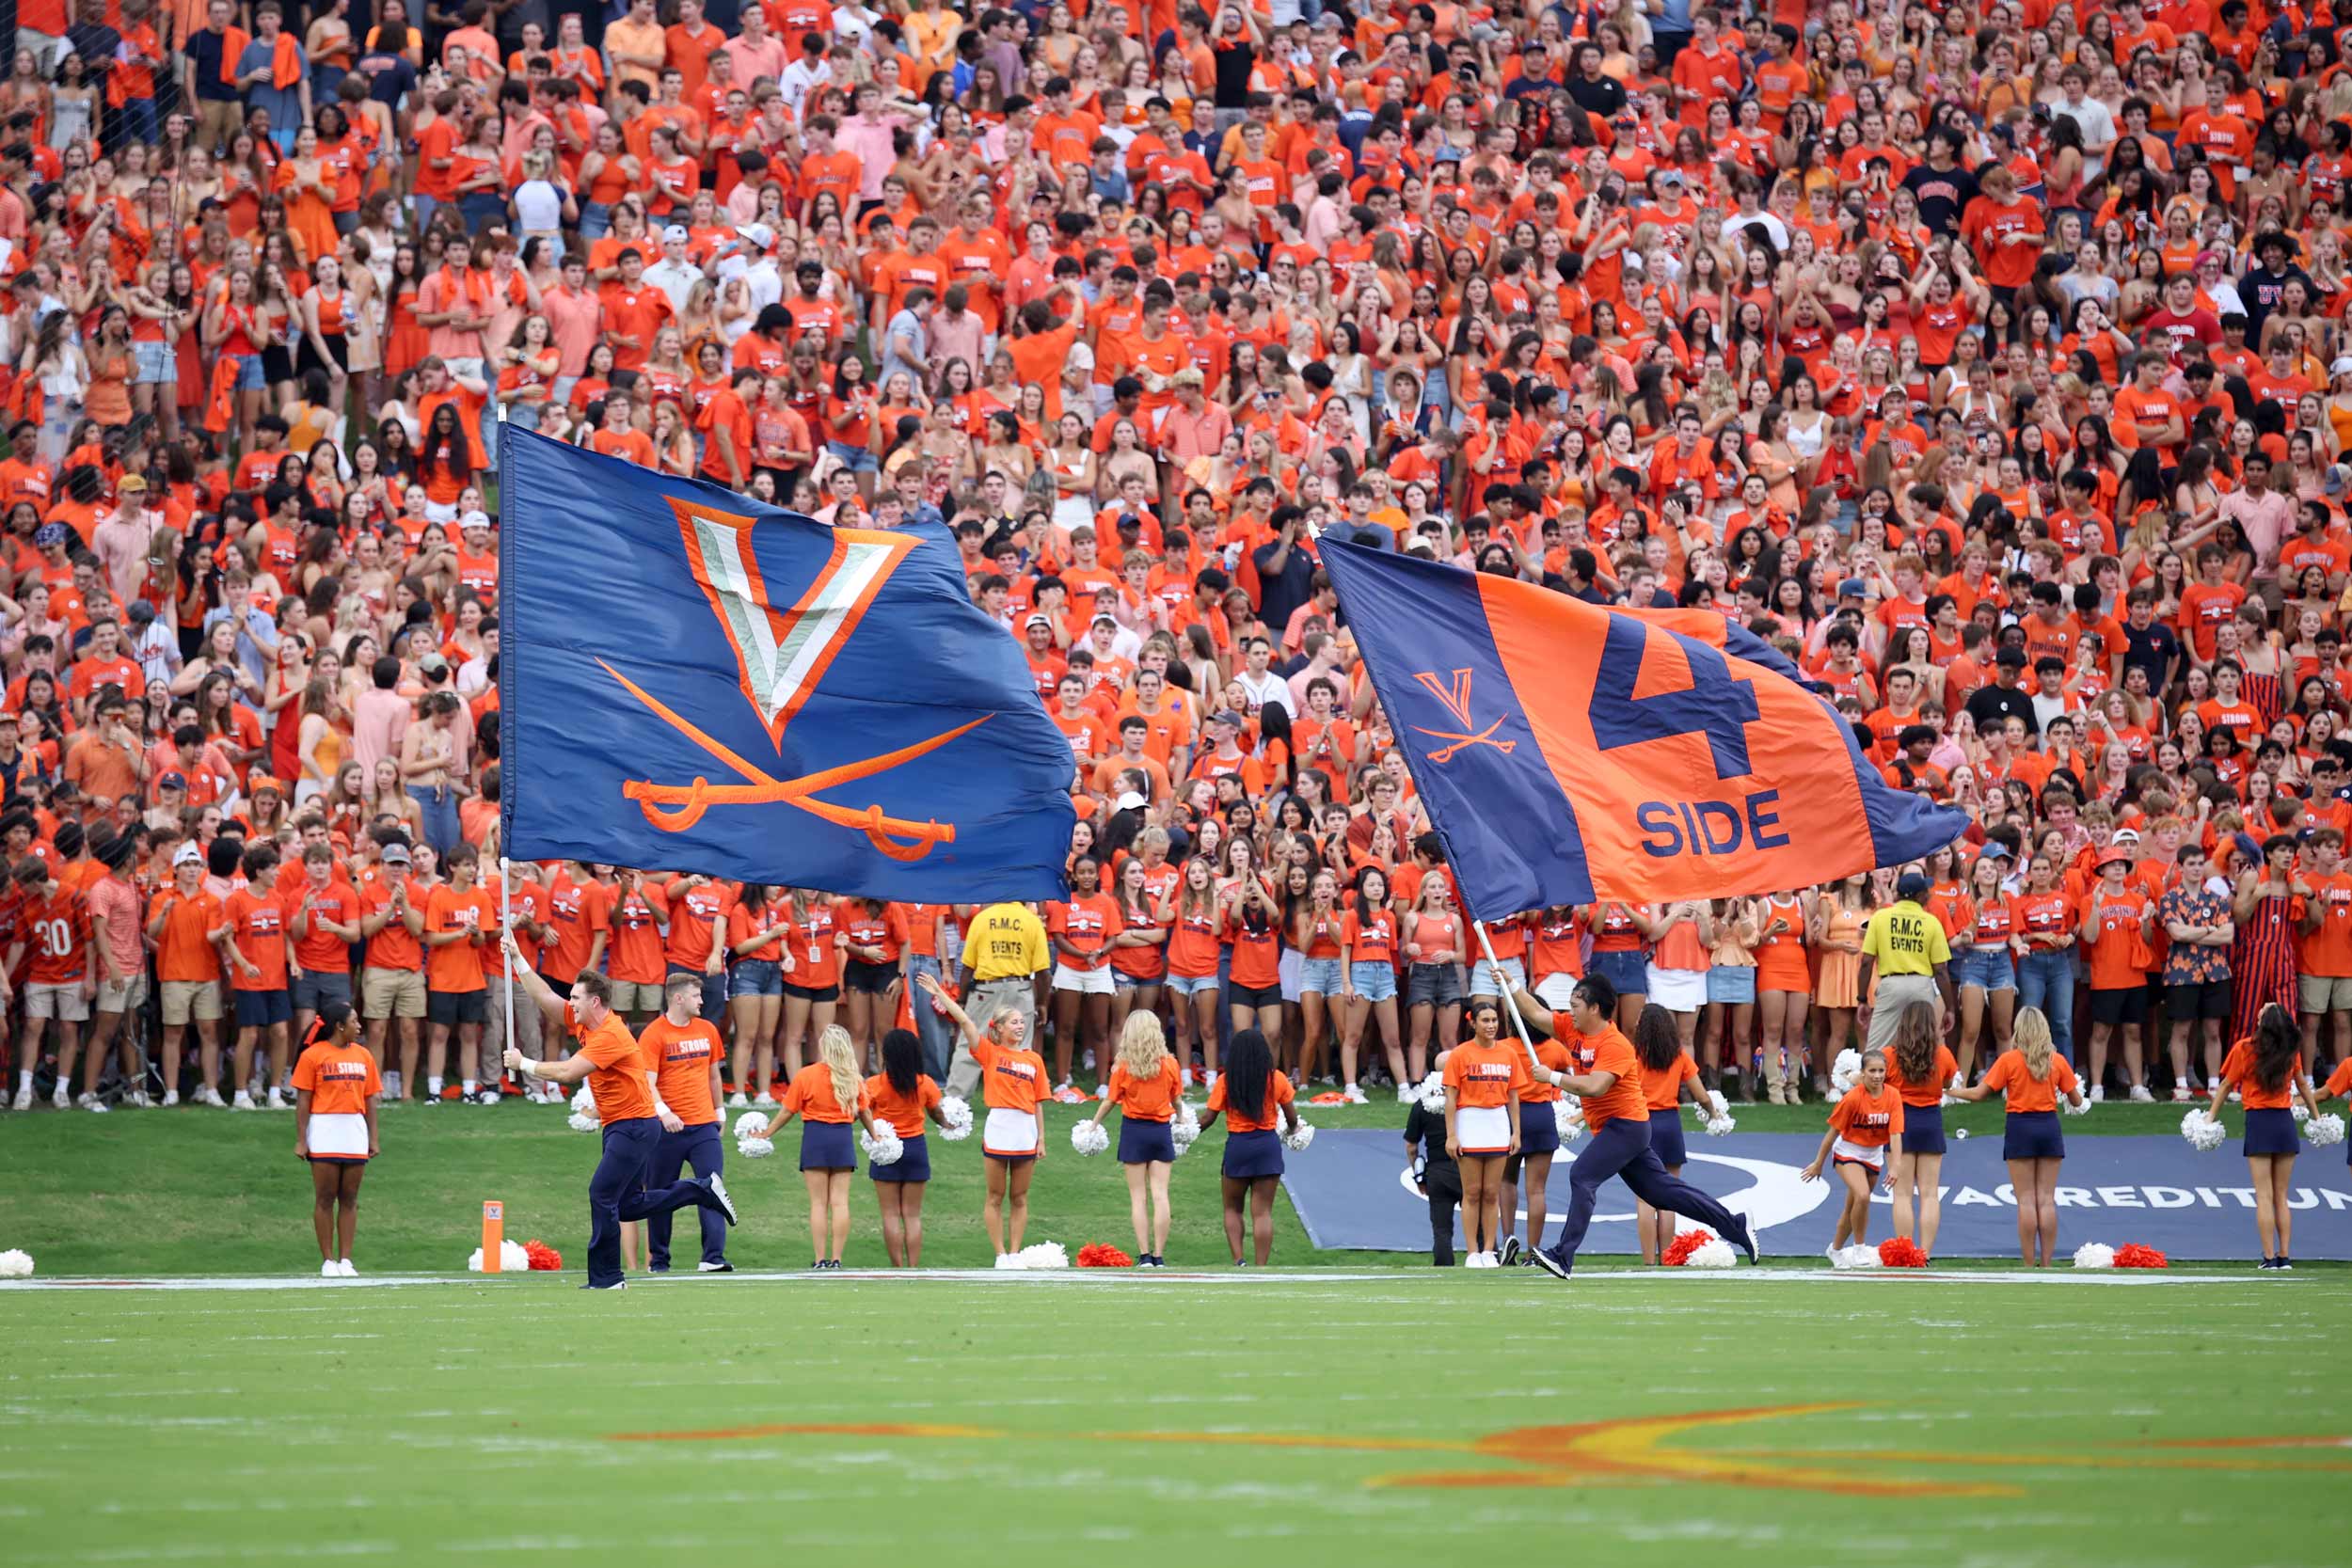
[[2203, 1133], [1431, 1094], [584, 1102], [1718, 1125], [884, 1147], [1043, 1254], [955, 1119], [585, 1121], [1847, 1070], [1298, 1138], [512, 1259], [2072, 1109], [1569, 1117], [2323, 1130], [2094, 1255], [754, 1149], [1183, 1128], [751, 1124], [1718, 1104], [1090, 1137], [15, 1263], [2299, 1111], [1714, 1254], [1859, 1255]]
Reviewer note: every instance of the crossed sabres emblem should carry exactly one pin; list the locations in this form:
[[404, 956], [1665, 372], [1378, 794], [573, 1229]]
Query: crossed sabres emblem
[[782, 657]]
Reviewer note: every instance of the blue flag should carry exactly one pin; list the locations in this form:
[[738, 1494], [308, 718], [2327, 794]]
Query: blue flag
[[1568, 751], [691, 680]]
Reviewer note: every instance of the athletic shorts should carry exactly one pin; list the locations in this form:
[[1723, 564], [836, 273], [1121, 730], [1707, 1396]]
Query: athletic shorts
[[313, 989], [449, 1008], [2198, 999], [1255, 996], [2121, 1004], [260, 1009]]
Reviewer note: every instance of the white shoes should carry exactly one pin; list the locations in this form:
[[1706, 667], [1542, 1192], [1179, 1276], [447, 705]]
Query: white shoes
[[1355, 1096], [330, 1270], [277, 1101], [61, 1098], [392, 1086], [211, 1096], [1404, 1095], [737, 1102], [91, 1103], [171, 1097], [343, 1268], [2140, 1094], [137, 1099], [23, 1101], [765, 1102], [244, 1102], [2098, 1094], [1482, 1261]]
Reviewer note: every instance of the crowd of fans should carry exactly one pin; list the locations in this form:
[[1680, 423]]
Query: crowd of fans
[[1987, 358]]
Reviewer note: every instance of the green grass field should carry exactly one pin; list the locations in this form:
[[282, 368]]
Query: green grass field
[[1357, 1408]]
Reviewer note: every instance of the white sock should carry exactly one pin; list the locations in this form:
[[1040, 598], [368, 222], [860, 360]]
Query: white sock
[[24, 1081], [433, 1087], [470, 1085]]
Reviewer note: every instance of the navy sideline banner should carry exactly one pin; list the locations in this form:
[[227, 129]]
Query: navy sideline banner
[[1351, 1192]]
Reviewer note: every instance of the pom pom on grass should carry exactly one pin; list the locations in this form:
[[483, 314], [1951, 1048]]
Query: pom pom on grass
[[955, 1119], [1101, 1255], [542, 1257], [512, 1259], [1857, 1257], [2131, 1255], [2323, 1130], [1297, 1140], [16, 1263], [2094, 1255], [1901, 1252], [1090, 1136], [754, 1149], [1043, 1254], [1716, 1254], [884, 1147], [1678, 1251], [585, 1121], [2204, 1134], [1847, 1070]]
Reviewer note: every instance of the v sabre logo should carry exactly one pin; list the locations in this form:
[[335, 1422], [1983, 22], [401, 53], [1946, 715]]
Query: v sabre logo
[[1454, 693], [782, 656]]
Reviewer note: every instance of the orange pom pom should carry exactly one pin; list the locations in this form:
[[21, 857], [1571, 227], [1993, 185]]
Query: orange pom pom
[[542, 1256], [1685, 1243], [1101, 1255], [1901, 1252], [2134, 1256]]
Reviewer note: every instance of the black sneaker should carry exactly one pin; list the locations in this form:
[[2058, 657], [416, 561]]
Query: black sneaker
[[1511, 1250], [617, 1285], [1553, 1261], [657, 1268], [2267, 1264], [718, 1185], [722, 1266], [2286, 1263]]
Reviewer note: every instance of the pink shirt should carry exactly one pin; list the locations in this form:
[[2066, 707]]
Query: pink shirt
[[572, 318], [444, 292], [119, 901], [377, 721], [871, 139]]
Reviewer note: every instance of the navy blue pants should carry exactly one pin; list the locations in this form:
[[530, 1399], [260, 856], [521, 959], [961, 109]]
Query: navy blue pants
[[618, 1192], [1622, 1148], [700, 1147]]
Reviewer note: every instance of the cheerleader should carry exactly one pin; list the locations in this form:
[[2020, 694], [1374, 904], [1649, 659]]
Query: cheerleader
[[1529, 1171], [2266, 1070], [903, 1095], [1865, 1126], [1434, 1175], [1144, 1085], [1669, 1075], [1483, 1079], [2030, 1077], [1254, 1099], [1920, 1067], [336, 1084], [828, 1096], [1012, 1139]]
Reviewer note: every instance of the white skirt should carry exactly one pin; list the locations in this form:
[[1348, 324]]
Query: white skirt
[[1554, 990], [1860, 1154], [1482, 1130], [1009, 1132], [344, 1133], [1677, 990]]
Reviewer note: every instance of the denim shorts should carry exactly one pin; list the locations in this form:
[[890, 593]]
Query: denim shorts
[[755, 977], [154, 364], [1374, 979], [1433, 984], [249, 377], [858, 460], [1482, 978], [1625, 969], [1190, 984], [1987, 968], [1321, 974], [1731, 983]]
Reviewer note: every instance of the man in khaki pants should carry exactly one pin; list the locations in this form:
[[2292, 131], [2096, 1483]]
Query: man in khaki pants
[[1003, 953]]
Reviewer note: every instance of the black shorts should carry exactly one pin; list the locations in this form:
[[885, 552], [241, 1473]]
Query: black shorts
[[873, 979], [259, 1009], [2124, 1004], [2199, 999], [1254, 996], [813, 994], [456, 1006]]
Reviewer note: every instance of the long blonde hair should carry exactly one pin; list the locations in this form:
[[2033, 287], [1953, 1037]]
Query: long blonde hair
[[840, 1058], [1141, 1046], [2031, 1036]]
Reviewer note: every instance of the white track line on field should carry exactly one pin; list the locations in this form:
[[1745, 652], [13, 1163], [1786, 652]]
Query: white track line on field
[[1701, 1277]]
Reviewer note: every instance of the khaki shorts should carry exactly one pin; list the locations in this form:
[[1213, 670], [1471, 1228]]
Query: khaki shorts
[[2326, 993], [631, 996], [122, 996], [391, 993], [183, 998], [64, 1003]]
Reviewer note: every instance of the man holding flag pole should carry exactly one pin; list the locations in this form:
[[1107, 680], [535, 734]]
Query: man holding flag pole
[[1664, 754]]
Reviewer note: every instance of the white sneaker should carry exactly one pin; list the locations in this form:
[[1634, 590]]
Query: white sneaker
[[736, 1101], [393, 1088], [1355, 1096], [329, 1271], [60, 1099], [1404, 1095], [171, 1097], [138, 1101], [343, 1268], [23, 1101], [2181, 1095], [277, 1101], [1830, 1253], [91, 1103], [1484, 1261], [765, 1102], [2098, 1094], [211, 1096], [2140, 1094], [243, 1102], [1208, 1081]]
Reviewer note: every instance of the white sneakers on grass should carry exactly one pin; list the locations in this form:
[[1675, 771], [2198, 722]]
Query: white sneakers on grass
[[1355, 1096]]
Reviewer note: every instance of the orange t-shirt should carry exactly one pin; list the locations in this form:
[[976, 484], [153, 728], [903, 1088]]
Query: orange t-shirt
[[1087, 925], [1662, 1088], [57, 932], [617, 1067], [1487, 1076], [340, 1079], [321, 952], [395, 947], [2118, 954], [2237, 1070], [1868, 1120], [456, 966], [1278, 1093], [258, 925], [681, 1055], [2021, 1091], [1152, 1098], [1012, 1080], [2327, 949], [1930, 1092], [904, 1112], [1609, 1052], [183, 951], [811, 1093]]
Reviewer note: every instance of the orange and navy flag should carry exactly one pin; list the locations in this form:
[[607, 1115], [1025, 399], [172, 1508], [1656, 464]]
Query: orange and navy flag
[[693, 681], [1569, 751]]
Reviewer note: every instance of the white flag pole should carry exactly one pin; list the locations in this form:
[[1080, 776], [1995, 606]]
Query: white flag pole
[[1510, 1004]]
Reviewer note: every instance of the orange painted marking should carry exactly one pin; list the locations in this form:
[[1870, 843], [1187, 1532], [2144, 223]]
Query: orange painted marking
[[852, 1429]]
